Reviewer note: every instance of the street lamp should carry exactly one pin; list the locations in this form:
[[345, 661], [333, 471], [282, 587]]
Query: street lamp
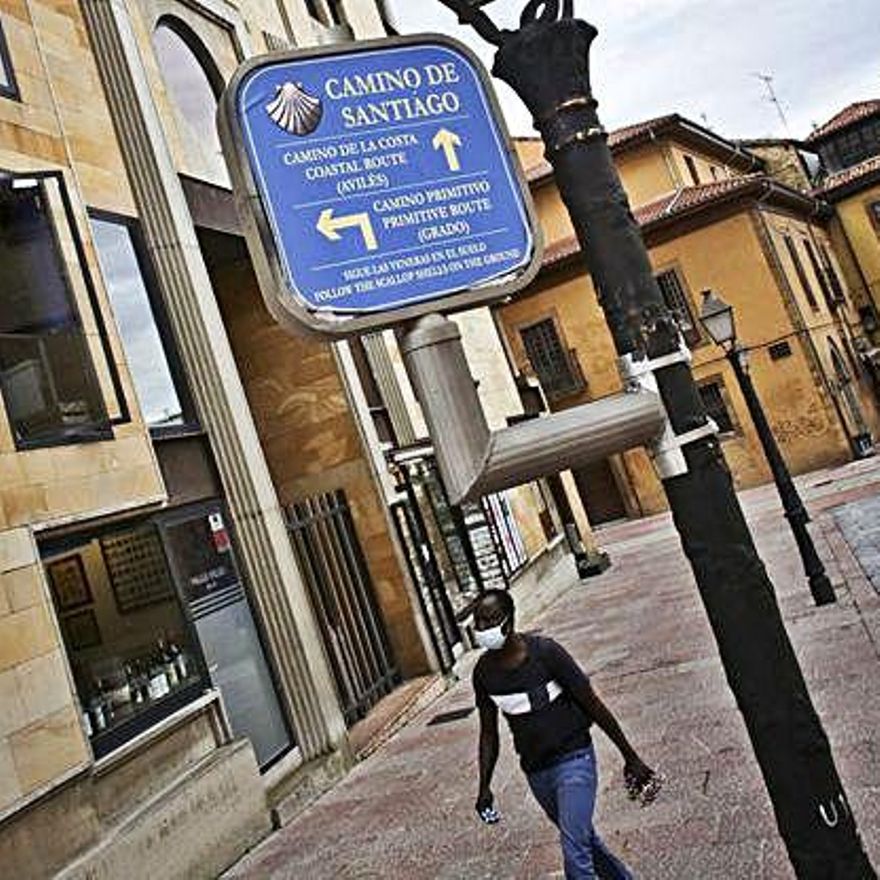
[[717, 318], [546, 61]]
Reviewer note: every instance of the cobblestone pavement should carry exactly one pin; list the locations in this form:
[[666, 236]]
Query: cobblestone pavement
[[640, 630]]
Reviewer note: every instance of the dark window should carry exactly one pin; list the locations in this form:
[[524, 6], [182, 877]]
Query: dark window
[[678, 302], [714, 172], [376, 403], [833, 279], [779, 350], [821, 274], [48, 379], [312, 7], [8, 86], [146, 337], [554, 366], [852, 146], [712, 395], [801, 274], [869, 319], [874, 214], [337, 14], [692, 169]]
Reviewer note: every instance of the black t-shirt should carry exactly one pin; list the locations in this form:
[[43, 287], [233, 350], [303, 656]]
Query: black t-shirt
[[536, 699]]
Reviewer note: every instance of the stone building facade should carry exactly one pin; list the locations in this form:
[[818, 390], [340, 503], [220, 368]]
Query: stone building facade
[[178, 482], [219, 545]]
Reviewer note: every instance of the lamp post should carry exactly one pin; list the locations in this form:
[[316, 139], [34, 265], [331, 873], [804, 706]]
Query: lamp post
[[717, 318], [546, 61]]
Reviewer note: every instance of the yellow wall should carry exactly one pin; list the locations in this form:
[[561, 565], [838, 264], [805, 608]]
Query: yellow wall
[[704, 165], [864, 239], [729, 257], [647, 173]]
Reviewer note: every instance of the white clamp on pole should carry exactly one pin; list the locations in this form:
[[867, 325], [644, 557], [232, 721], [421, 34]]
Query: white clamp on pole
[[666, 451]]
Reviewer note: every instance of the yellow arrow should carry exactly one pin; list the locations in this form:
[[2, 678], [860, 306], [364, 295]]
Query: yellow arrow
[[329, 227], [447, 141]]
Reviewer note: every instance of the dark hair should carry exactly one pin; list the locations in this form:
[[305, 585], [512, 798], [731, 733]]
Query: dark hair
[[502, 597]]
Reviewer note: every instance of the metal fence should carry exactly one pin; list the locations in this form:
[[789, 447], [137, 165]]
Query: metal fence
[[341, 590]]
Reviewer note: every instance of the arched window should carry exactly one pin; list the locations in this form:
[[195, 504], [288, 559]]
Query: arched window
[[194, 84]]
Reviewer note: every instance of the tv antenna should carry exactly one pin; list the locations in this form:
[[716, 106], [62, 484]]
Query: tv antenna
[[773, 98]]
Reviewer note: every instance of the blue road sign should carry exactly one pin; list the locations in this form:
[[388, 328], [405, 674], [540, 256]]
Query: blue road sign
[[383, 174]]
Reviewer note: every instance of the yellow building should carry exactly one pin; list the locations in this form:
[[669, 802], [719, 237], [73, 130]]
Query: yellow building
[[849, 149], [712, 218]]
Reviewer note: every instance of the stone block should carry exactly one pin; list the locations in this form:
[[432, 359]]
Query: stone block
[[25, 635], [12, 711], [44, 686], [196, 829], [24, 504], [22, 587], [16, 549], [9, 788], [48, 749], [37, 465]]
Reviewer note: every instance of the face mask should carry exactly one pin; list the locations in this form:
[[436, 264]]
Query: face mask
[[491, 639]]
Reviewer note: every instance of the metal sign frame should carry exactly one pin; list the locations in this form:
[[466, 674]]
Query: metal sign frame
[[284, 303]]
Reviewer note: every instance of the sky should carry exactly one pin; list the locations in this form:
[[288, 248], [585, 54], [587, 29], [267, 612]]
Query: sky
[[699, 58]]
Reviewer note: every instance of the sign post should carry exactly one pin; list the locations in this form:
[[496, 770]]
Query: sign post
[[379, 184]]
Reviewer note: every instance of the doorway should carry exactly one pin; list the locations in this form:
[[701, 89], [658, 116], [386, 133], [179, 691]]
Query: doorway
[[600, 493], [201, 556]]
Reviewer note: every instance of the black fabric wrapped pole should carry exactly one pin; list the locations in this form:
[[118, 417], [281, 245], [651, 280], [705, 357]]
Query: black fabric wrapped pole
[[546, 62]]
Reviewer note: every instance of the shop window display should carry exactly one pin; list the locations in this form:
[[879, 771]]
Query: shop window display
[[132, 650]]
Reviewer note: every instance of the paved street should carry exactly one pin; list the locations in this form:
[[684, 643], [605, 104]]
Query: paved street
[[406, 812]]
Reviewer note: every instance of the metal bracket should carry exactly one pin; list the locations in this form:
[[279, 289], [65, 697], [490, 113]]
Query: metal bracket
[[667, 450]]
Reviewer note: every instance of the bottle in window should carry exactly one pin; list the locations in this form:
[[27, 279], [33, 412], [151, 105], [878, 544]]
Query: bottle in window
[[96, 708], [165, 659], [158, 680], [180, 662]]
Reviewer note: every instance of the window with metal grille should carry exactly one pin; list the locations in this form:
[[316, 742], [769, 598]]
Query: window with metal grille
[[8, 86], [678, 302], [801, 273], [821, 274], [837, 292], [555, 366], [712, 395]]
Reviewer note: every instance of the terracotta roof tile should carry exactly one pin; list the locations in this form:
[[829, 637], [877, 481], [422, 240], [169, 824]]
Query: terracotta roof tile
[[843, 178], [671, 205], [622, 136], [847, 116], [617, 140]]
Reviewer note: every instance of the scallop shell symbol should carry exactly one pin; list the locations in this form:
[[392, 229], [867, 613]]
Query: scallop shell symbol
[[295, 110]]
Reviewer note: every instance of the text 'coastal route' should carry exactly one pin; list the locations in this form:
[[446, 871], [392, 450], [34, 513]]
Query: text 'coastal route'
[[384, 176]]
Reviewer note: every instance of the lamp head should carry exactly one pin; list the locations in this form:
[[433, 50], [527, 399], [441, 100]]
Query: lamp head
[[717, 319]]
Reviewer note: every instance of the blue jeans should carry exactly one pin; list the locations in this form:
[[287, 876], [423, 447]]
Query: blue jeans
[[567, 793]]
